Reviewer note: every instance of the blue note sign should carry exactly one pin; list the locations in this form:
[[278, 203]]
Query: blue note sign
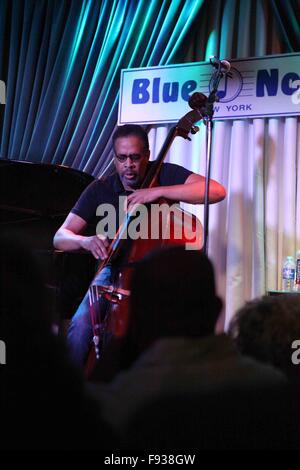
[[256, 87]]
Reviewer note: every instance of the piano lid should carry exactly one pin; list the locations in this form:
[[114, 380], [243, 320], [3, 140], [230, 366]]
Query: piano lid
[[35, 198], [37, 189]]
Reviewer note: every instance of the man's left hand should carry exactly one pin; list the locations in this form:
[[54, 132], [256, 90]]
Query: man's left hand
[[143, 196]]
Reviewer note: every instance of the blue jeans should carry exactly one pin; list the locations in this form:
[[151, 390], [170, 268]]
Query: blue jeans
[[80, 332]]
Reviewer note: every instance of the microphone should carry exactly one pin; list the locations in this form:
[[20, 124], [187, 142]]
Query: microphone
[[223, 66]]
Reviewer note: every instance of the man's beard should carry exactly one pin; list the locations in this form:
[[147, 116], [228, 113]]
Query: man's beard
[[130, 179]]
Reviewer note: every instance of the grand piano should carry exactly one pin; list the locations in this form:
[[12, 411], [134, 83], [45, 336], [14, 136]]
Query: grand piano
[[34, 201]]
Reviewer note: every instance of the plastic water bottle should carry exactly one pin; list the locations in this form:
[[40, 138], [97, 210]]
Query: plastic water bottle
[[288, 274], [297, 282]]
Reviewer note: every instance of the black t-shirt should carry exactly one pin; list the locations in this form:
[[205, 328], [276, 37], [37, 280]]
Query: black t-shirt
[[108, 190]]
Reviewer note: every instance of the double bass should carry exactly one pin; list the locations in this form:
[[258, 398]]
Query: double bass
[[109, 304]]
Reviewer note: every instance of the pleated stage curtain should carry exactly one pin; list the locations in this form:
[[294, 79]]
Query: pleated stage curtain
[[61, 61]]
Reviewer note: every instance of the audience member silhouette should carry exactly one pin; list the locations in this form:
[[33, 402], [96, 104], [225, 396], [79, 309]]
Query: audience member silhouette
[[268, 329], [42, 399], [181, 386]]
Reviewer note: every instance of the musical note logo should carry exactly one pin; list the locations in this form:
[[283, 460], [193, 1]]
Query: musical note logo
[[222, 87], [230, 86]]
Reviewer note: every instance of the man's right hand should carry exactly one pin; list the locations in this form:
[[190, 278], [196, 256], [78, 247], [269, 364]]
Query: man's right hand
[[68, 238], [97, 245]]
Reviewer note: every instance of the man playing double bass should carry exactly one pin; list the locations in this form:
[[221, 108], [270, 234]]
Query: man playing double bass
[[131, 160]]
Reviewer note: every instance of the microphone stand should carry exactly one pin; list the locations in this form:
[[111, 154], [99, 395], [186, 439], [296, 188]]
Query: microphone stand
[[207, 113]]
